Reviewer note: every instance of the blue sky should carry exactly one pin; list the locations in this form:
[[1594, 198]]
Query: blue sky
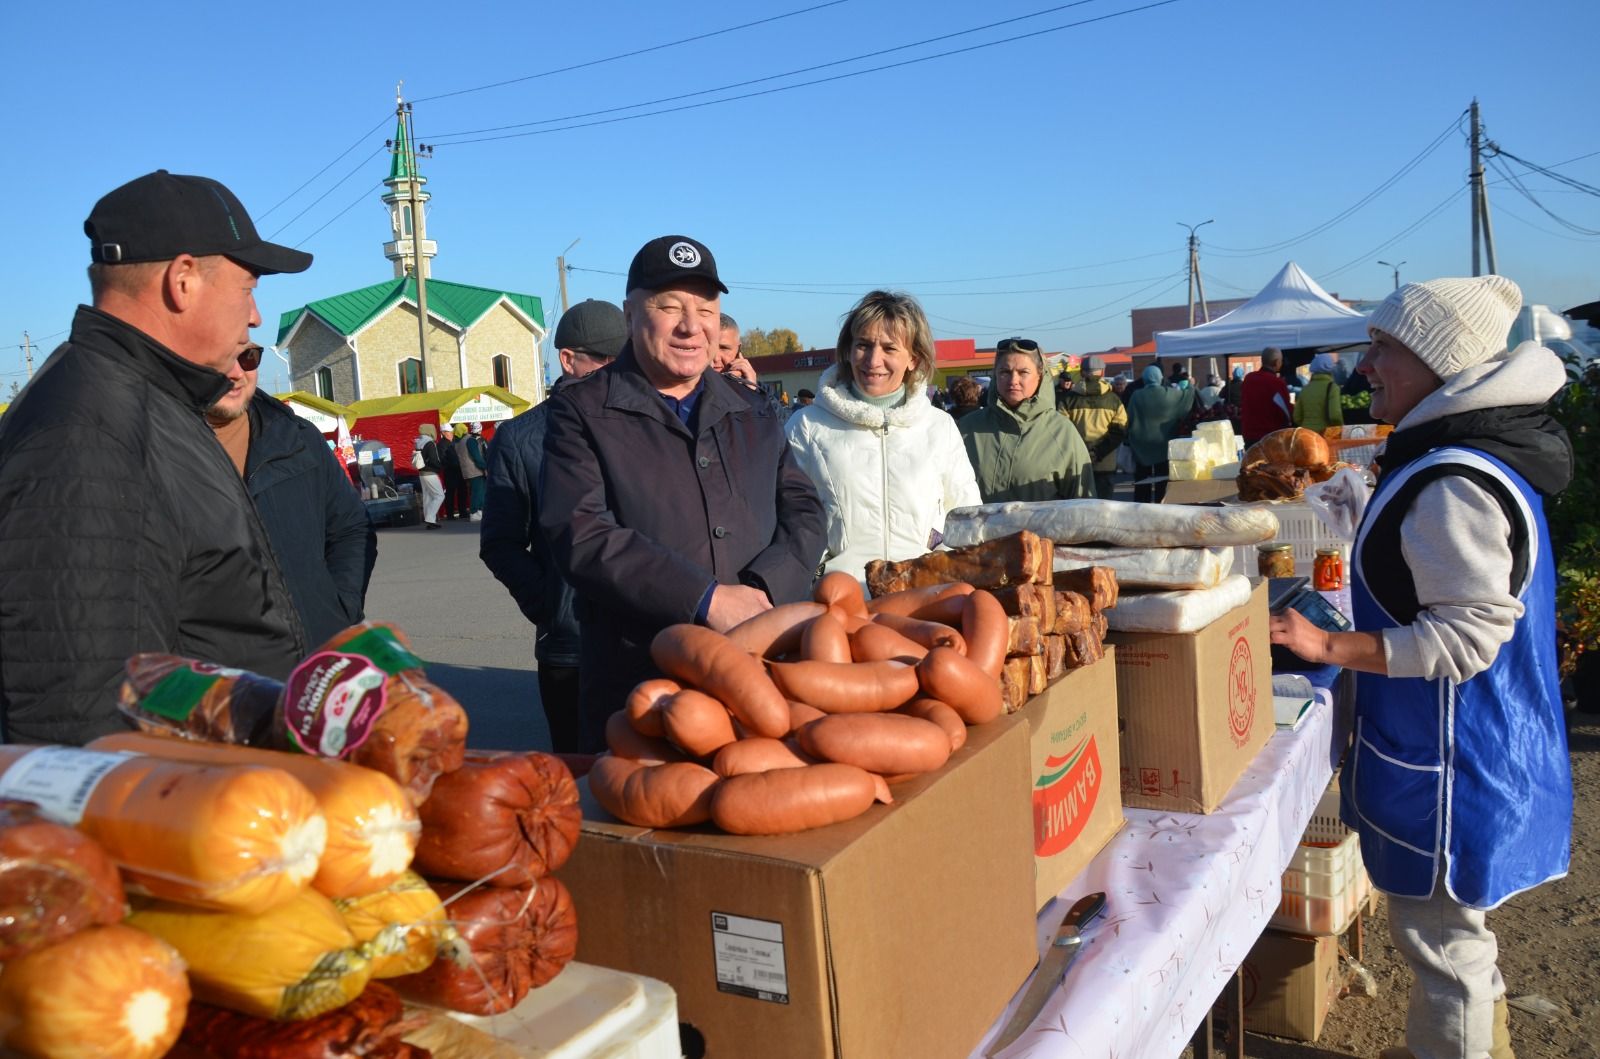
[[1031, 187]]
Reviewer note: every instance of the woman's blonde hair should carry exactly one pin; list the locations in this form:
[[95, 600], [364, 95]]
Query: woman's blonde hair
[[899, 312]]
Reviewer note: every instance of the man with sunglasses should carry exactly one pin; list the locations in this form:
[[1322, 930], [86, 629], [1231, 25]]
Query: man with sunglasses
[[588, 337], [124, 528], [319, 529]]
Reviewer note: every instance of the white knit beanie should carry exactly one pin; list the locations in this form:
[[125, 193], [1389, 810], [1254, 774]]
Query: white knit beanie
[[1450, 324]]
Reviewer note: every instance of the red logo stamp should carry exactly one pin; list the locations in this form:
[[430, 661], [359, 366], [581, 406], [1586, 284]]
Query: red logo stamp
[[1242, 692], [1064, 798]]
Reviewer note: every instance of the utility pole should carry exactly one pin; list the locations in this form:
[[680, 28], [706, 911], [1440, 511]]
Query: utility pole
[[1482, 226], [1194, 271], [27, 352], [1396, 267], [561, 270], [412, 149]]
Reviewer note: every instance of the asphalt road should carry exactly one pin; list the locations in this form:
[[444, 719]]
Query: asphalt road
[[478, 646]]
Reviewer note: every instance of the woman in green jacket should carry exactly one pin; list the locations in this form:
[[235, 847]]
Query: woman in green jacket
[[1318, 406], [1019, 446]]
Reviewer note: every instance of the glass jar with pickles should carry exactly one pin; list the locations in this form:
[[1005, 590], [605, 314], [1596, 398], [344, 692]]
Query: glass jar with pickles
[[1275, 560]]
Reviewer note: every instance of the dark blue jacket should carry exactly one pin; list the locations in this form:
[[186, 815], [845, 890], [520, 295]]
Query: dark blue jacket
[[318, 526], [511, 545]]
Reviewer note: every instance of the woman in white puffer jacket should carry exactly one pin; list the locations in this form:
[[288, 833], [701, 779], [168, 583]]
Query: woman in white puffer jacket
[[885, 461]]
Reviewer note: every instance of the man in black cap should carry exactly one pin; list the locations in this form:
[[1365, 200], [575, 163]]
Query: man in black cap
[[589, 336], [124, 526], [669, 494]]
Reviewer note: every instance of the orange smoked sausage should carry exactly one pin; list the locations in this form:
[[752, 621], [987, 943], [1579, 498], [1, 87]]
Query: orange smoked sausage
[[956, 681], [625, 741], [676, 794], [941, 715], [984, 624], [800, 713], [886, 743], [929, 634], [879, 643], [697, 723], [716, 665], [774, 632], [782, 801], [847, 687], [907, 603], [839, 589], [757, 755], [645, 702], [824, 640]]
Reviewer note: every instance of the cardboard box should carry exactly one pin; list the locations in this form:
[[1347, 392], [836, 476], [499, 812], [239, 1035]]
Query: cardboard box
[[1076, 806], [1207, 491], [1290, 982], [902, 932], [1195, 708]]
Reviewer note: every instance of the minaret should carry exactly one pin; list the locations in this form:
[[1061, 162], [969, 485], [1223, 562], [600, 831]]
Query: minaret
[[405, 186]]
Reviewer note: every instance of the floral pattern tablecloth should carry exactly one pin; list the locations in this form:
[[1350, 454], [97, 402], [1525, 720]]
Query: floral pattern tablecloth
[[1186, 898]]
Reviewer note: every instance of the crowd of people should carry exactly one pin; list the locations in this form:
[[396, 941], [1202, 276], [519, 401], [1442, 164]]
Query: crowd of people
[[151, 500]]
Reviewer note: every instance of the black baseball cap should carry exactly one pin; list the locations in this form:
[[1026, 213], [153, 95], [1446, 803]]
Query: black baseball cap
[[592, 326], [672, 259], [161, 215]]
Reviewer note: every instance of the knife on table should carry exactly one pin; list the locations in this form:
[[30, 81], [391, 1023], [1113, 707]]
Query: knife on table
[[1064, 948]]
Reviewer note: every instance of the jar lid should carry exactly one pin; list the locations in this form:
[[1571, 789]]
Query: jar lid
[[1273, 546], [1330, 551]]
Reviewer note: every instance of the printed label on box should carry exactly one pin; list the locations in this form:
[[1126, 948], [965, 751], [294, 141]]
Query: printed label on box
[[1064, 797], [1241, 692], [749, 956]]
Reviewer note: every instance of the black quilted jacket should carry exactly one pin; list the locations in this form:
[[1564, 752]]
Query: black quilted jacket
[[123, 528]]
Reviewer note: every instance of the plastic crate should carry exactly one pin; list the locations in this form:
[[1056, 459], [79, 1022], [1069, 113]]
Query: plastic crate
[[1326, 883], [1297, 525]]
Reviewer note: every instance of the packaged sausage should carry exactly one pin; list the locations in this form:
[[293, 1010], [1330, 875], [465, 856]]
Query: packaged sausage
[[371, 1025], [294, 962], [54, 882], [362, 697], [401, 928], [519, 938], [104, 991], [242, 836], [510, 818], [372, 828]]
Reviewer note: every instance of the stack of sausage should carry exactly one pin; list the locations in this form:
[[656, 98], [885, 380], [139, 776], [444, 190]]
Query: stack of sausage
[[493, 831], [272, 890], [804, 715], [1056, 619]]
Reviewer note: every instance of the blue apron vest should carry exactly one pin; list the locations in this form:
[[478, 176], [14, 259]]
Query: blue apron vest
[[1476, 773]]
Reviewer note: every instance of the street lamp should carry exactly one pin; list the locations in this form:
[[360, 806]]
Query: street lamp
[[1396, 267]]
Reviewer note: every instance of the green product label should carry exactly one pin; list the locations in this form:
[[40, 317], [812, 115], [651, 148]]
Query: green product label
[[383, 649], [176, 695]]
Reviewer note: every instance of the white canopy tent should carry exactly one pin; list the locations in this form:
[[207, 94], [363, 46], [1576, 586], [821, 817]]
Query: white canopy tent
[[1290, 312]]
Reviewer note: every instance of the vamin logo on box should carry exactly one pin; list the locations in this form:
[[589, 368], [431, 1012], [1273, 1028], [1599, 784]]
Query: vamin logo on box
[[1064, 797]]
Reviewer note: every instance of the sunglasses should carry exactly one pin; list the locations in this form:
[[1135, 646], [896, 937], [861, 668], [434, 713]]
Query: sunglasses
[[250, 359], [1020, 345]]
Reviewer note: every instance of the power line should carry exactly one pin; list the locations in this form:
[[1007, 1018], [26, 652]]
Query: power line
[[845, 290], [1047, 324], [1516, 183], [631, 54], [1381, 247], [1500, 207], [1577, 185], [770, 77], [325, 168], [820, 80], [330, 191], [364, 195], [1434, 145]]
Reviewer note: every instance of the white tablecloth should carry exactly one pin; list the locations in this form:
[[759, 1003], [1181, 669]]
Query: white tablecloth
[[1186, 898]]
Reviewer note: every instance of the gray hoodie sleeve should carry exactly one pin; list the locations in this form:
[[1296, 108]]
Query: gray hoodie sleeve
[[1457, 545]]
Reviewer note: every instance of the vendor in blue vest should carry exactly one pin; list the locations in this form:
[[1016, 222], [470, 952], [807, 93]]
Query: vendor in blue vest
[[1458, 780]]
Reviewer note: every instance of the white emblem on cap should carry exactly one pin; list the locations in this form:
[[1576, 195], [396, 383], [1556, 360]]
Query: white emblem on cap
[[684, 255]]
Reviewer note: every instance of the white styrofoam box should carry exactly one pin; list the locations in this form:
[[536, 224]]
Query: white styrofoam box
[[589, 1012], [1188, 470]]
